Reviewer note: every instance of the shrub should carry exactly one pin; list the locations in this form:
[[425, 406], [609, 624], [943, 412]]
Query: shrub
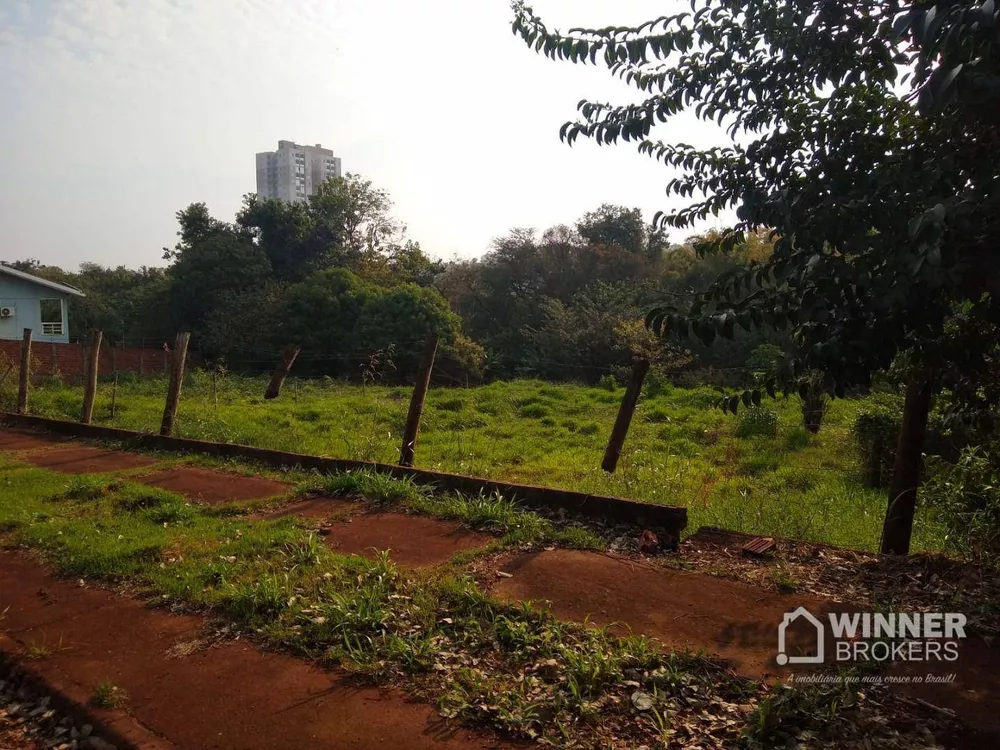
[[608, 382], [756, 421], [656, 383], [875, 430], [965, 498]]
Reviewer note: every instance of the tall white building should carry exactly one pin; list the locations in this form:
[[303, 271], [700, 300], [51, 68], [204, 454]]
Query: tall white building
[[293, 172]]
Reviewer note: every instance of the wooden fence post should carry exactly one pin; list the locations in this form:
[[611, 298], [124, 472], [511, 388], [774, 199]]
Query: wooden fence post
[[90, 371], [176, 376], [25, 374], [417, 401], [620, 430], [281, 371], [114, 386]]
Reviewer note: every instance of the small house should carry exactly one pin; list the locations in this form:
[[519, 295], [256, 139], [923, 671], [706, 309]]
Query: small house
[[28, 301]]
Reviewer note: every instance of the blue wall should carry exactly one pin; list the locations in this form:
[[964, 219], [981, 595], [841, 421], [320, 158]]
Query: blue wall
[[24, 297]]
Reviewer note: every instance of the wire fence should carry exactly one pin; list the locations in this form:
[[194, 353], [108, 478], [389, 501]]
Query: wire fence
[[213, 386]]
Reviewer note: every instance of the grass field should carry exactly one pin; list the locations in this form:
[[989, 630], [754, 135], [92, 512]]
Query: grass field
[[680, 450]]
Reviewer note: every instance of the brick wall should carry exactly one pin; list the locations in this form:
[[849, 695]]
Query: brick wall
[[68, 359]]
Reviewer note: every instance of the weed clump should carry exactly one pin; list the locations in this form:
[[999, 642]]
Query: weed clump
[[756, 421], [378, 487]]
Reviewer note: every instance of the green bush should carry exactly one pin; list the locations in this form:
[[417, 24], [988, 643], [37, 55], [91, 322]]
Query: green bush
[[964, 497], [756, 421], [875, 430], [608, 383], [657, 384]]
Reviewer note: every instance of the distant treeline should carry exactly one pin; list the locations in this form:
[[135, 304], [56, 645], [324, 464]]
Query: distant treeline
[[339, 277]]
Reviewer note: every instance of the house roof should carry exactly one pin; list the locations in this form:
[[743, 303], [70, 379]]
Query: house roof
[[64, 288]]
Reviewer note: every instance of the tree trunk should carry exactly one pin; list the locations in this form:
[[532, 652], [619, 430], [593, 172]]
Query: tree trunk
[[898, 526]]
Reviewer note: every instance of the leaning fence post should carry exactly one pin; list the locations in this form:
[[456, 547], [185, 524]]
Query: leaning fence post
[[93, 365], [417, 401], [25, 373], [281, 371], [620, 430], [176, 376]]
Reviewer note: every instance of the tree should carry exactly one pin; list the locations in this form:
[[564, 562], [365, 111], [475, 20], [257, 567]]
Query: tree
[[348, 223], [623, 228], [883, 206], [213, 260]]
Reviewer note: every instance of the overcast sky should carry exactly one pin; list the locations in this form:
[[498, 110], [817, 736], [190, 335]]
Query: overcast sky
[[117, 113]]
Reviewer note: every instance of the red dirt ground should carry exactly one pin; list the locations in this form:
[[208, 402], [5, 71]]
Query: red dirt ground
[[683, 610], [319, 509], [225, 697], [214, 487], [731, 620], [11, 440], [87, 460], [413, 541]]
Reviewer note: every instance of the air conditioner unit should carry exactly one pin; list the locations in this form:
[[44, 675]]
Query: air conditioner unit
[[6, 312]]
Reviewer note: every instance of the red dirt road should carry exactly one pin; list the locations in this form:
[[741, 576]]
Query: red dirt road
[[226, 697], [214, 487]]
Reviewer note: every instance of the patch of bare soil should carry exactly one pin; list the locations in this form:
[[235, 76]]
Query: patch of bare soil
[[318, 509], [87, 460], [680, 609], [214, 487], [15, 440], [413, 541]]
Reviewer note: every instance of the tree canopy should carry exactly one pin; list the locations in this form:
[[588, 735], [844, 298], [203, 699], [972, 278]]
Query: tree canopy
[[862, 135]]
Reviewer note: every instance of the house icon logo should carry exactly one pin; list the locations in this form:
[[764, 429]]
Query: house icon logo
[[783, 657]]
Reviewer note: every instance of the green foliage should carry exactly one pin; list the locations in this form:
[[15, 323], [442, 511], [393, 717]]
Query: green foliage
[[881, 211], [765, 360], [374, 486], [756, 421], [964, 498], [875, 432], [691, 458], [338, 315], [796, 439], [107, 695]]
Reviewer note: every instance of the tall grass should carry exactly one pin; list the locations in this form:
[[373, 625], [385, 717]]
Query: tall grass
[[680, 451]]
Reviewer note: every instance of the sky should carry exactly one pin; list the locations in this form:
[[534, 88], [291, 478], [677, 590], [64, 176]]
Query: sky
[[118, 113]]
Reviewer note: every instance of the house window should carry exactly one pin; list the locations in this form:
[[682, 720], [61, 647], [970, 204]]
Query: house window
[[52, 317]]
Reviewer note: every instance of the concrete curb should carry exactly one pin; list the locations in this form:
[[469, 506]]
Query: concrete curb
[[670, 518]]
